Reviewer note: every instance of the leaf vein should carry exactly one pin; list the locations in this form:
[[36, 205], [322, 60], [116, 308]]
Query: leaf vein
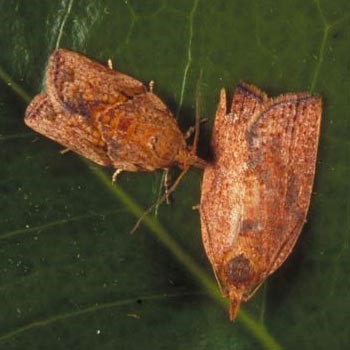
[[14, 233], [64, 20], [87, 310], [189, 57]]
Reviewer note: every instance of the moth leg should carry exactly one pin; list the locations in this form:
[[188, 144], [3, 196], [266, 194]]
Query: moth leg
[[160, 200], [167, 181], [151, 86], [115, 174], [135, 316], [65, 150], [110, 63], [189, 132], [192, 129], [164, 182]]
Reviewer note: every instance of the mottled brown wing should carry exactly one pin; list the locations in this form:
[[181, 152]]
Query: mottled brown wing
[[83, 86], [222, 191], [70, 130], [288, 130], [278, 157], [141, 134], [256, 194]]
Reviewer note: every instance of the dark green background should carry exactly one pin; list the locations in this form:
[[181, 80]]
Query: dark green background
[[71, 275]]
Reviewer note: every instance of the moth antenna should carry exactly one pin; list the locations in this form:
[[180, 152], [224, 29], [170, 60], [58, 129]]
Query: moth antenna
[[160, 200], [65, 150], [197, 122]]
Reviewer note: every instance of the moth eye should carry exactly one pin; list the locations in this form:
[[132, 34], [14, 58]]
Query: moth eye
[[238, 270]]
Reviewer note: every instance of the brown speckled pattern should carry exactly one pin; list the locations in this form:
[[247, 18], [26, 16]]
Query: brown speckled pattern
[[256, 194], [106, 116]]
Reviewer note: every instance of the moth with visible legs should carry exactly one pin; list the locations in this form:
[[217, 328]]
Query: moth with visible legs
[[108, 117], [256, 193]]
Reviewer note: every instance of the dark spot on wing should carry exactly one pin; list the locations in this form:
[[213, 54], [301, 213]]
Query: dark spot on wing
[[238, 270], [250, 226]]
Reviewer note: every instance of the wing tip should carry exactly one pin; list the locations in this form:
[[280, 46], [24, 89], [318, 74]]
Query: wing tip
[[33, 108], [251, 90], [221, 109], [254, 91]]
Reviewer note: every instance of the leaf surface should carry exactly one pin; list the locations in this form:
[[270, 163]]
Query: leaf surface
[[71, 274]]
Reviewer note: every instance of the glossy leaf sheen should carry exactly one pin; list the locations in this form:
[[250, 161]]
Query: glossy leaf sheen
[[71, 275]]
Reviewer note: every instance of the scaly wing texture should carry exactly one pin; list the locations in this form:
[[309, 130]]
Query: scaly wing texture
[[104, 115], [256, 195], [83, 86], [290, 126], [71, 130], [141, 134], [222, 196], [281, 148]]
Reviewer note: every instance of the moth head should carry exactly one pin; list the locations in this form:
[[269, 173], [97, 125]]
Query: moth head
[[186, 158]]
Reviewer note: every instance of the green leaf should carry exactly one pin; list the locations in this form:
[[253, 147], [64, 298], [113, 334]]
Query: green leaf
[[72, 277]]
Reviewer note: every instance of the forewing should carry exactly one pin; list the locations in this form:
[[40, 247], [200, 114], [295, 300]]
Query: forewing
[[70, 130], [140, 134], [299, 119], [256, 193], [281, 143], [223, 190], [83, 86]]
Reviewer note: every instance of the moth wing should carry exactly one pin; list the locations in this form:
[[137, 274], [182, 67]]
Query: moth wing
[[141, 134], [304, 111], [70, 130], [256, 193], [222, 188], [83, 86], [281, 143]]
